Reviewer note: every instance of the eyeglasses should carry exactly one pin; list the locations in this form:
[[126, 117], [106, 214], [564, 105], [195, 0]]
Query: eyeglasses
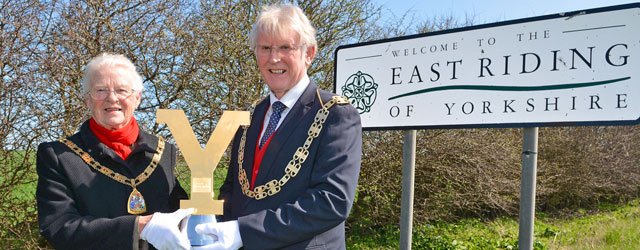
[[100, 94], [280, 50]]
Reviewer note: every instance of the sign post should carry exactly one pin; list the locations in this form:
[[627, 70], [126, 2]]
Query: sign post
[[408, 176], [528, 188], [567, 69]]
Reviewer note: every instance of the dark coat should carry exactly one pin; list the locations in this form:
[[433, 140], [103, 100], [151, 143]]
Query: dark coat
[[310, 210], [80, 208]]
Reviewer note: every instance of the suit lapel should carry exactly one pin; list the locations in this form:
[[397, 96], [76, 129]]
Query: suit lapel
[[252, 134], [281, 136]]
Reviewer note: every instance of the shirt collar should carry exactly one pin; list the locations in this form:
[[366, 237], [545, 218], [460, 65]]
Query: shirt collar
[[292, 96]]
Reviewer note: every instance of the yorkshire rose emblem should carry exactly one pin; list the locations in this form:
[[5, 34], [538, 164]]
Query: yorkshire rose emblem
[[361, 90]]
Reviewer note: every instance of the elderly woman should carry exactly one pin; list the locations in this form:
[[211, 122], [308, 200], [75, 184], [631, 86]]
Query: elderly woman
[[110, 185]]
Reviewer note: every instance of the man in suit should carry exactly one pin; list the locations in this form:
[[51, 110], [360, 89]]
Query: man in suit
[[294, 169]]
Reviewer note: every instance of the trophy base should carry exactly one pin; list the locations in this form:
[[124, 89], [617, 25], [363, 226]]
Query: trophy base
[[195, 238]]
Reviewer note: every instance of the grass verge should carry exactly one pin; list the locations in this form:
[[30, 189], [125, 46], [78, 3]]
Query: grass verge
[[612, 227]]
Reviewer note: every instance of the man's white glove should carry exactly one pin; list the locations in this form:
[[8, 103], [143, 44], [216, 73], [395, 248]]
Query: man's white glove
[[163, 230], [227, 234]]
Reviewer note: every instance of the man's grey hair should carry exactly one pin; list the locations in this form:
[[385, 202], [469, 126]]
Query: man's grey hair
[[275, 20]]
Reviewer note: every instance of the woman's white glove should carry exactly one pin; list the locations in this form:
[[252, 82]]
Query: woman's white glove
[[227, 234], [163, 230]]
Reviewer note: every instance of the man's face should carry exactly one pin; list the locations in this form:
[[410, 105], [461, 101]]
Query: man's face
[[282, 61]]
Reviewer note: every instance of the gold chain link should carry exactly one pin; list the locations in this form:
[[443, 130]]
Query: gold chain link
[[299, 157], [113, 175]]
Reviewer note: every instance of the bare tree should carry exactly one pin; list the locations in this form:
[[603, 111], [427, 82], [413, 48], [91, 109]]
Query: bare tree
[[21, 37], [194, 55]]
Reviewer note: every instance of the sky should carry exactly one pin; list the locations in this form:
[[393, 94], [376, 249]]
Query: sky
[[488, 11]]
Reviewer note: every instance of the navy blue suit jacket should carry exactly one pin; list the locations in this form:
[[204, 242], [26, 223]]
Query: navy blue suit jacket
[[310, 210]]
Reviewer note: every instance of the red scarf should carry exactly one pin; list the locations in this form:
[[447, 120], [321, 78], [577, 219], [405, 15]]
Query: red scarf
[[119, 140]]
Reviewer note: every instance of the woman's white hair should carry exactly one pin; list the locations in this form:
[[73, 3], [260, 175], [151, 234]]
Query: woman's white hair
[[112, 61], [275, 20]]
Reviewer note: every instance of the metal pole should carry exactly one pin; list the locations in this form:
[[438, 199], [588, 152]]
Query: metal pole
[[408, 172], [528, 188]]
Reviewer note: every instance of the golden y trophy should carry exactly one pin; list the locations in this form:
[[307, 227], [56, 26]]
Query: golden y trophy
[[202, 162]]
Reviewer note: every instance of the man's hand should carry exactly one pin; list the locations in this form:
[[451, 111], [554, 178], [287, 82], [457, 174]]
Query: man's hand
[[163, 230], [226, 234]]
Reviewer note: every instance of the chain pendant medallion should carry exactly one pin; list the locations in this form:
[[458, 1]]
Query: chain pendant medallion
[[136, 203]]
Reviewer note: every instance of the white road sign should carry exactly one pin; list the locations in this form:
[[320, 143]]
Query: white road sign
[[563, 69]]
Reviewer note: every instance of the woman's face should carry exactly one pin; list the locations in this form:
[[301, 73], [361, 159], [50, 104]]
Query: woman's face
[[112, 99]]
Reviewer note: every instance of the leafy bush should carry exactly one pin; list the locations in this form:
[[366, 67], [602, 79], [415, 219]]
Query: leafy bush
[[18, 215], [467, 173]]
